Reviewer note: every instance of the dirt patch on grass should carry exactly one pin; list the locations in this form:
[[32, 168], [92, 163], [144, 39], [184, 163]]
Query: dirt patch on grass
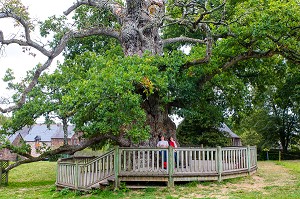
[[268, 175]]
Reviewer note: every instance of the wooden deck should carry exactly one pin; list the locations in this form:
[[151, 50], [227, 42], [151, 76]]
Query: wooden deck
[[157, 165]]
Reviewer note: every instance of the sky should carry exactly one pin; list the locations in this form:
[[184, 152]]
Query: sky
[[12, 56]]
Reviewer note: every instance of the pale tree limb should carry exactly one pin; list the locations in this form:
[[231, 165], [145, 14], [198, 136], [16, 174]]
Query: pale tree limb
[[208, 41], [28, 41], [207, 12], [50, 54], [31, 85], [209, 46], [183, 39], [115, 8]]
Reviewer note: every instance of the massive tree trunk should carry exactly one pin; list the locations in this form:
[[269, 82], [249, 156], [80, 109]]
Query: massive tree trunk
[[158, 120], [140, 27], [140, 33]]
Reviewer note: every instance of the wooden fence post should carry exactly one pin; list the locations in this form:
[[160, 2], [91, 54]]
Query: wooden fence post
[[279, 156], [248, 159], [220, 164], [170, 166], [76, 175], [116, 167]]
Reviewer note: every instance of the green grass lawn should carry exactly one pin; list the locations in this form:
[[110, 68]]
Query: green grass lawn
[[273, 180]]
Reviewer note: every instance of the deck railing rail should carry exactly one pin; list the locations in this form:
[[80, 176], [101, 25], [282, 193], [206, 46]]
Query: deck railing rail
[[81, 173], [157, 164]]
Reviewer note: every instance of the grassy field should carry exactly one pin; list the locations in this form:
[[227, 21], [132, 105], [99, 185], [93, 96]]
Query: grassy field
[[273, 180]]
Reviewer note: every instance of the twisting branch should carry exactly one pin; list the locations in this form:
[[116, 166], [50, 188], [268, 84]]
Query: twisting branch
[[207, 12], [183, 39], [71, 149], [83, 33], [31, 85], [28, 41], [50, 54], [209, 46], [114, 7], [291, 54], [235, 60]]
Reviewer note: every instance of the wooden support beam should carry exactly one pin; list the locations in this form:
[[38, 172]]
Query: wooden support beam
[[220, 164], [170, 166], [116, 167]]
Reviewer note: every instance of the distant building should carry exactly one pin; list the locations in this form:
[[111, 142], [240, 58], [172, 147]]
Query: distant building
[[40, 137], [16, 139], [235, 139]]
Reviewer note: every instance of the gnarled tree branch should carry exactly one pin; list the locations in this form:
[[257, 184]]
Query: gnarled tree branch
[[115, 8], [71, 149], [28, 41], [207, 12], [209, 44], [183, 39], [50, 54], [235, 60]]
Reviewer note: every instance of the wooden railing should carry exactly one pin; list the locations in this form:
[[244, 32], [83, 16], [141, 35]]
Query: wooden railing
[[81, 173], [183, 164], [156, 164]]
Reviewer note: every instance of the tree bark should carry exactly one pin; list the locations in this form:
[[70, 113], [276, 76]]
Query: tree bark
[[140, 33], [140, 27], [158, 120], [65, 129]]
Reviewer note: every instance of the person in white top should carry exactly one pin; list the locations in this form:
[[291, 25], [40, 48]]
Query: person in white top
[[163, 143]]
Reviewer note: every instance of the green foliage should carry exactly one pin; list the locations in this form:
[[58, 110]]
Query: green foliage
[[16, 7], [99, 44], [192, 132], [54, 25], [9, 75], [123, 187], [109, 87], [3, 119], [273, 109], [101, 91], [259, 129], [101, 94]]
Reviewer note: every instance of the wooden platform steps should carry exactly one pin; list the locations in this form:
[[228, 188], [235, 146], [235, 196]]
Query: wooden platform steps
[[109, 182], [104, 183]]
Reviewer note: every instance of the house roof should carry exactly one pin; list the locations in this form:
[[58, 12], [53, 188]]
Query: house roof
[[46, 133], [60, 132], [224, 128], [23, 132]]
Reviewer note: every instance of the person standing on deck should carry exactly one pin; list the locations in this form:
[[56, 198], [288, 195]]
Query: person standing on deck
[[173, 144], [163, 144]]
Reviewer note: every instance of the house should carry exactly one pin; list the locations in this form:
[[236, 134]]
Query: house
[[17, 139], [40, 137], [235, 139]]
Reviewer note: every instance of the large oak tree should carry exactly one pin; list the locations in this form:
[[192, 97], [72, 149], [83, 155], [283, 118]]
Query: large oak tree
[[128, 97]]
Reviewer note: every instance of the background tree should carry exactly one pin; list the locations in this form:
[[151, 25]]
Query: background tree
[[273, 108], [3, 119], [128, 97]]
